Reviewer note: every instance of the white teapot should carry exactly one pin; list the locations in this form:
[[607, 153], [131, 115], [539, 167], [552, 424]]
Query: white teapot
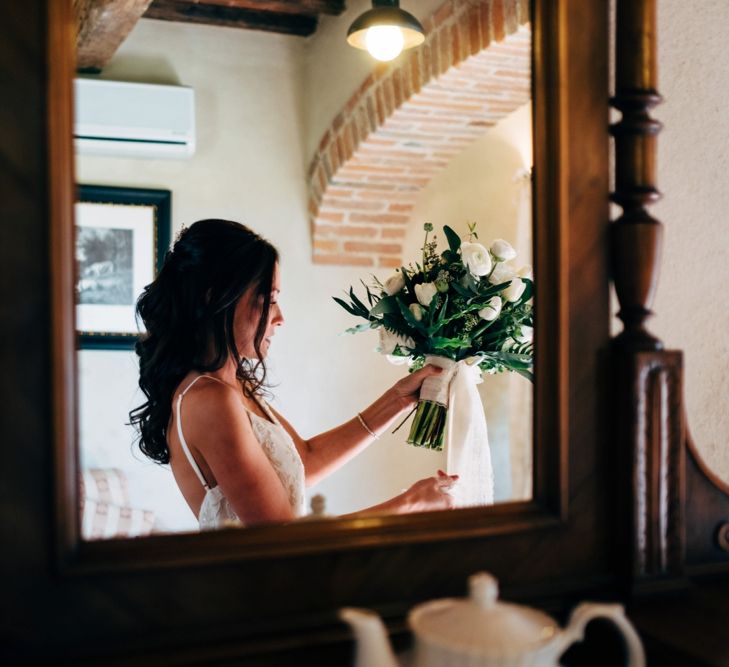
[[480, 631]]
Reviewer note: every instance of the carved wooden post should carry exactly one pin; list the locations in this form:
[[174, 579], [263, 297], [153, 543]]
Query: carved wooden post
[[647, 381], [636, 236]]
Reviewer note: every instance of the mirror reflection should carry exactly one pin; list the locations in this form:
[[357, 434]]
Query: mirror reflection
[[336, 163]]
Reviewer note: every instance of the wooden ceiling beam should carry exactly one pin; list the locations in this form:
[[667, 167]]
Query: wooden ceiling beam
[[101, 27], [307, 7], [195, 12]]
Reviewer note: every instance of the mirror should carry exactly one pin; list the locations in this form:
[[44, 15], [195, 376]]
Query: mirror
[[265, 104]]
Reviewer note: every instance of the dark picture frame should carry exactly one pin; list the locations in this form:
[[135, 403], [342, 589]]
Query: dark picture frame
[[122, 235]]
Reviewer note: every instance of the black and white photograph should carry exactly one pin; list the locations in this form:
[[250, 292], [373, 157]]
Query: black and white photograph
[[121, 237], [104, 260]]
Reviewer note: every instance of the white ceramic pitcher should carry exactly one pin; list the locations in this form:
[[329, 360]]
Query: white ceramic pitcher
[[481, 631]]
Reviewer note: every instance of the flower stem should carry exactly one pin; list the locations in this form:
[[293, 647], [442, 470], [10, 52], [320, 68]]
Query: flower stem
[[397, 428], [425, 245], [428, 427]]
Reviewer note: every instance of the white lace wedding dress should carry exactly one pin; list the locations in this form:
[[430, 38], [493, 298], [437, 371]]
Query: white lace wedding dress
[[215, 511]]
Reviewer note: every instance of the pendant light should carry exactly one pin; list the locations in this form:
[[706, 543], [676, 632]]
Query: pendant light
[[385, 30]]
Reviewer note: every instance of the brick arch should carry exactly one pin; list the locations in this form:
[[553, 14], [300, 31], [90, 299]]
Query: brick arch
[[405, 123]]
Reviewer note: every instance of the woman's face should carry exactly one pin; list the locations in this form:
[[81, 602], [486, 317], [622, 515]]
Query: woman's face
[[247, 315]]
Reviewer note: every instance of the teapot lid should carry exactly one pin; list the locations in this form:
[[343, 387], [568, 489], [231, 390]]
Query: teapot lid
[[481, 624]]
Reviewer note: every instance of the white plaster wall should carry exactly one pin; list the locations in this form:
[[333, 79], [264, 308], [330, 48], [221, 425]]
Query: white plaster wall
[[693, 163]]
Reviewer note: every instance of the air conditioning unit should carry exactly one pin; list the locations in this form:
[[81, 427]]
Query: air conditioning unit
[[134, 119]]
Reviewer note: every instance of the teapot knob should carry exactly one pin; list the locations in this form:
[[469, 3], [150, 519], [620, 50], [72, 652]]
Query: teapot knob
[[483, 589]]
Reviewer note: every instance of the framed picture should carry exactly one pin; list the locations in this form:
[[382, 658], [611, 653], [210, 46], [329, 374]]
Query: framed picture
[[122, 235]]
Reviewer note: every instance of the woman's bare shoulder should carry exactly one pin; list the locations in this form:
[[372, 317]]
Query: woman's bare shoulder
[[213, 411]]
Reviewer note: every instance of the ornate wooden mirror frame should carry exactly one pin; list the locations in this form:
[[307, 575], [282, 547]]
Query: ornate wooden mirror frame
[[268, 595]]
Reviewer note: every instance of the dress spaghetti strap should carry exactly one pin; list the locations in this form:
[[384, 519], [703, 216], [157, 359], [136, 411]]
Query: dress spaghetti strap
[[183, 442]]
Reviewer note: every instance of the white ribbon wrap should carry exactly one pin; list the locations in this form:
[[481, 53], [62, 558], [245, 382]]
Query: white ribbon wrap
[[466, 437]]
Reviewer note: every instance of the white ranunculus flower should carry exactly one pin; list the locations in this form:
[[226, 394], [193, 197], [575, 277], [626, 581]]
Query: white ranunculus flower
[[491, 310], [502, 250], [502, 273], [389, 341], [425, 293], [476, 258], [394, 283], [527, 334], [417, 311], [526, 272], [514, 290]]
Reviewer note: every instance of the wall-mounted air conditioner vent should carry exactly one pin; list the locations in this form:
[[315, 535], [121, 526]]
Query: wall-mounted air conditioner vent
[[134, 119]]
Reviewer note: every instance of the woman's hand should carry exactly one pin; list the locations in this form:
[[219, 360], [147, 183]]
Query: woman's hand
[[431, 493], [425, 495], [407, 389]]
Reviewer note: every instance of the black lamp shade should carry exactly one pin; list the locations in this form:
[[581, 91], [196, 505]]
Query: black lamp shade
[[410, 27]]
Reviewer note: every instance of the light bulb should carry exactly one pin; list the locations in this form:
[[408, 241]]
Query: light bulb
[[384, 42]]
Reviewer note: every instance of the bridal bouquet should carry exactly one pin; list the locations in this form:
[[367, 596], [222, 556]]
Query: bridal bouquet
[[467, 303]]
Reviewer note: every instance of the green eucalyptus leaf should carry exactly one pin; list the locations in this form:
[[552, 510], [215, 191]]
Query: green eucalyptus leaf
[[454, 241], [442, 311], [408, 280], [364, 311], [528, 292], [387, 304], [471, 283], [410, 318], [358, 328], [440, 319], [514, 360], [479, 330], [451, 257], [461, 290], [491, 290], [440, 342], [394, 324], [347, 307], [371, 299]]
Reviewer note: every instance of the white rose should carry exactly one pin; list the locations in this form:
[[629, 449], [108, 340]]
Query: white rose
[[476, 258], [527, 335], [394, 283], [502, 251], [389, 341], [417, 311], [502, 273], [526, 272], [491, 310], [514, 290], [425, 293]]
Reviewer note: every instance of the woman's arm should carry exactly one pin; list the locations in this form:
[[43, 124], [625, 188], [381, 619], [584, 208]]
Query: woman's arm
[[425, 495], [325, 453], [220, 430]]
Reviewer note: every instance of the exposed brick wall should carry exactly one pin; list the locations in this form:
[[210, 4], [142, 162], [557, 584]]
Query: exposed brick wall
[[408, 120]]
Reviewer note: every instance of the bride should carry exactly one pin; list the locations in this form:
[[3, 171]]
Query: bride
[[210, 317]]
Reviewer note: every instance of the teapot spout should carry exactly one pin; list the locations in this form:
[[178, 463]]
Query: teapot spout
[[373, 646]]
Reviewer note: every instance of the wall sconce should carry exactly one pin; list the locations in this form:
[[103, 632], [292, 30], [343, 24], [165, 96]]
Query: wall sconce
[[385, 30]]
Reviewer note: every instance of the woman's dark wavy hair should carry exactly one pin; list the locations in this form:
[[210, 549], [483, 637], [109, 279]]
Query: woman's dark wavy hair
[[188, 312]]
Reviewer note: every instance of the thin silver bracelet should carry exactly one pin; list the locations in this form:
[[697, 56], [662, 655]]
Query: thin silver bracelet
[[367, 428]]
